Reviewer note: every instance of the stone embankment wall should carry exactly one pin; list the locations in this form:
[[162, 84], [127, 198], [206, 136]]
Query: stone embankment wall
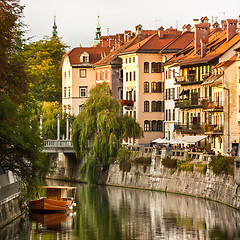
[[9, 203], [156, 177], [222, 188]]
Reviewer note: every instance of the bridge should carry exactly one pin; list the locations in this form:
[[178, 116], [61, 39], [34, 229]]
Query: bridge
[[56, 146]]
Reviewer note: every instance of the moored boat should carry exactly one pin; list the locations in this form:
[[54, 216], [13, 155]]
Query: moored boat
[[57, 199]]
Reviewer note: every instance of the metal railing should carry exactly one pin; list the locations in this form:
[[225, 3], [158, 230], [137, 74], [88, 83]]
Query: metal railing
[[195, 102], [191, 127], [216, 128], [191, 79], [212, 105], [57, 143]]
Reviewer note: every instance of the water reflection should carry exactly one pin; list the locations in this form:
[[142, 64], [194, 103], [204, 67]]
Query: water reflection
[[108, 213]]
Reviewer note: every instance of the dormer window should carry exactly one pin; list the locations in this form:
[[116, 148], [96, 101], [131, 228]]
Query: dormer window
[[84, 58]]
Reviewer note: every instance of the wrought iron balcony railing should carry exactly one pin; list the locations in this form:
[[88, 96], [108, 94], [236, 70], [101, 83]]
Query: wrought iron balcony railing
[[189, 128], [213, 128], [212, 105], [191, 79], [194, 102]]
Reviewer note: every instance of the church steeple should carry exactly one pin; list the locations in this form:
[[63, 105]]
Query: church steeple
[[54, 32], [98, 34]]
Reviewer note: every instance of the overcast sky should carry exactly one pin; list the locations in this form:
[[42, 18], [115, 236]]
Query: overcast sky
[[77, 19]]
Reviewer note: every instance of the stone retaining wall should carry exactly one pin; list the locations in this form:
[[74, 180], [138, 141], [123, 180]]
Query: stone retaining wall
[[219, 188]]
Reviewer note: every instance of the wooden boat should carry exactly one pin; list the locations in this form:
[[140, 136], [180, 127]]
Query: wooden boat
[[57, 199]]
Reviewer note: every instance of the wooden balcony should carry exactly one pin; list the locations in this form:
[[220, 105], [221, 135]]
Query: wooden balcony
[[212, 106], [188, 128], [194, 102], [191, 79], [213, 129]]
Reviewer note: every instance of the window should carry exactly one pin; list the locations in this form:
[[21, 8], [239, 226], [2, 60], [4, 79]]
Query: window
[[146, 126], [159, 87], [84, 59], [130, 76], [69, 91], [169, 74], [108, 77], [82, 92], [133, 59], [69, 74], [126, 76], [80, 108], [154, 106], [65, 74], [146, 87], [146, 106], [174, 73], [65, 92], [120, 74], [134, 95], [134, 76], [157, 125], [83, 73], [173, 115], [98, 76], [126, 61], [146, 67], [153, 87], [120, 93], [129, 60], [156, 67]]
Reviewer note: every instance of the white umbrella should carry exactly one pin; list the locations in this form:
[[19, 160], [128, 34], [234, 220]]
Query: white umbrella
[[161, 141], [176, 141]]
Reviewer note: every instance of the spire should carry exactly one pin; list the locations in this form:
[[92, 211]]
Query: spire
[[54, 32], [98, 33]]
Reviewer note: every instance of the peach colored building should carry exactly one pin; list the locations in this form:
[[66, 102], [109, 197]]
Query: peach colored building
[[78, 76], [143, 80]]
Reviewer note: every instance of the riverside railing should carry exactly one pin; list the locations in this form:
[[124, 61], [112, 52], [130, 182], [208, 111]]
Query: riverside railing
[[57, 143]]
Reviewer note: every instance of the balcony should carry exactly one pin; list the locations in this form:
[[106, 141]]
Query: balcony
[[212, 106], [194, 102], [191, 79], [188, 128], [128, 104], [213, 129]]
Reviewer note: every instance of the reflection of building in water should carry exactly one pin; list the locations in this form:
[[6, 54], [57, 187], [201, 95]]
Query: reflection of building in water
[[45, 224], [154, 215]]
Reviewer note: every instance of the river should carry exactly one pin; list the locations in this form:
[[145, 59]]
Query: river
[[109, 213]]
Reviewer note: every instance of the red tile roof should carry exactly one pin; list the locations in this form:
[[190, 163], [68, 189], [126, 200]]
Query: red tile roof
[[153, 42], [95, 54]]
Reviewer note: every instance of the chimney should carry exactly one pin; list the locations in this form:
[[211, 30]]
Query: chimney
[[203, 47], [216, 25], [224, 24], [161, 32], [126, 35], [231, 28], [195, 21], [186, 28], [201, 33], [138, 29], [204, 19]]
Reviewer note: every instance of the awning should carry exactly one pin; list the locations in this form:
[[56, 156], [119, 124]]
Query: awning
[[192, 139], [161, 141], [184, 92]]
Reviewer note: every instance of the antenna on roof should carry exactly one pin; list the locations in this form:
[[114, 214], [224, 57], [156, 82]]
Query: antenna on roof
[[177, 24], [223, 14], [107, 31]]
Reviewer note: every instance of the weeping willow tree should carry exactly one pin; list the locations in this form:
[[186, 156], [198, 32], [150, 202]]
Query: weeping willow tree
[[99, 130]]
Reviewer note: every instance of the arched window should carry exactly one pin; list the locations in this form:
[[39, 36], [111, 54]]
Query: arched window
[[146, 126], [146, 106], [159, 106], [153, 87], [146, 67], [154, 67], [154, 125], [154, 106], [146, 87], [159, 87]]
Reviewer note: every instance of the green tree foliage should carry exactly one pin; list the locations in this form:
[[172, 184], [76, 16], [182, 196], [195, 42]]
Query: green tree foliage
[[43, 59], [49, 112], [99, 129], [222, 165], [20, 143]]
